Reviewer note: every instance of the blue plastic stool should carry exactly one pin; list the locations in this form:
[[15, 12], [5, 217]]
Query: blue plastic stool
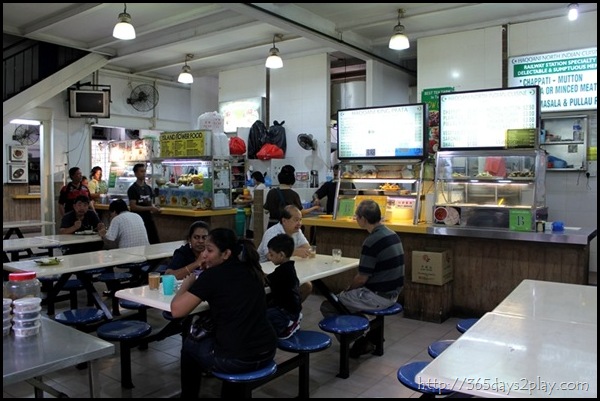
[[346, 326], [140, 308], [241, 384], [303, 343], [407, 375], [80, 318], [377, 325], [128, 333], [437, 347], [465, 324]]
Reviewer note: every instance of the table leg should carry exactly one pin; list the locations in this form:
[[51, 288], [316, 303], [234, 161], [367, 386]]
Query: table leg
[[93, 379], [86, 279], [54, 291], [13, 230], [331, 297]]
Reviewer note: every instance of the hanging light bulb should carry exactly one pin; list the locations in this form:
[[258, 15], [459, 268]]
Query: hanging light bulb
[[185, 77], [123, 29], [274, 60], [573, 11], [399, 41]]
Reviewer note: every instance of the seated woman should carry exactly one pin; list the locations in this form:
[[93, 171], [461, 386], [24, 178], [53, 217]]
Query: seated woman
[[242, 339], [188, 257]]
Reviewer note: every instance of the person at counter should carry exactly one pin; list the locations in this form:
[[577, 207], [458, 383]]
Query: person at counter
[[188, 257], [380, 276], [278, 198], [290, 224], [126, 229], [242, 339], [140, 201], [328, 190], [96, 186], [69, 192]]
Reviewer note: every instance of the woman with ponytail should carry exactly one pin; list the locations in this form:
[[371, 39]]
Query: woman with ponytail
[[233, 283]]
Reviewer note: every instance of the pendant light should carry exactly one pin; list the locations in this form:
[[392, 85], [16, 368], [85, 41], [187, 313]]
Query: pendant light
[[399, 41], [124, 30], [185, 77], [573, 11], [274, 60]]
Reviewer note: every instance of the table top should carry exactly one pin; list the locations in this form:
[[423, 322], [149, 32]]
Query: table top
[[25, 358], [549, 300], [16, 244], [541, 341], [308, 269], [76, 262], [70, 239], [26, 223], [154, 251]]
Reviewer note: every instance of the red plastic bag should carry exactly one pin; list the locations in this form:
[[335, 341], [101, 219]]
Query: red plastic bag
[[237, 146], [270, 151]]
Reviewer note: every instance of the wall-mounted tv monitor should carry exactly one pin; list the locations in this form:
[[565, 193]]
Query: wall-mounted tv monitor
[[89, 103], [480, 119], [381, 133]]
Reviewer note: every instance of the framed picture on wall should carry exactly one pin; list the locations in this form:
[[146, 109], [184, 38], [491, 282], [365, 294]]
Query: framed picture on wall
[[242, 113]]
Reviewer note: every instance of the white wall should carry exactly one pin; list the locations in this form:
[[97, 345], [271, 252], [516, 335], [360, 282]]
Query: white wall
[[473, 60]]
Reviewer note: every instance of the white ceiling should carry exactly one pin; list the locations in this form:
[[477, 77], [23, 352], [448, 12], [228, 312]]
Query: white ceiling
[[227, 36]]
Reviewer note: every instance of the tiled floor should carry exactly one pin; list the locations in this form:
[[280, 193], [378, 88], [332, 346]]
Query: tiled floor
[[156, 370]]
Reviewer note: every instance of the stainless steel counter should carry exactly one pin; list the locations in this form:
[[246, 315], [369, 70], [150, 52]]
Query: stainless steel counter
[[571, 235], [56, 347]]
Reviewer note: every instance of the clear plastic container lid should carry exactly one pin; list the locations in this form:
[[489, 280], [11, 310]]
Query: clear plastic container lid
[[27, 331], [28, 314], [25, 323], [27, 304]]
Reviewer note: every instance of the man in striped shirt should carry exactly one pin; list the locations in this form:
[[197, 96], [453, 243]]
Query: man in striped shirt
[[380, 276]]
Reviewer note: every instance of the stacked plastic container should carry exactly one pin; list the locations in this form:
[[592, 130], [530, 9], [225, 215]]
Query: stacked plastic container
[[7, 302], [26, 316]]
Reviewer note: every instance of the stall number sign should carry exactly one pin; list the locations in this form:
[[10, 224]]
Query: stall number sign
[[520, 220], [567, 80]]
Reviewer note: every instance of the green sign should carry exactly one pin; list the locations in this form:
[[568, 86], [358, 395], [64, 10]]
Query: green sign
[[346, 208], [431, 96], [520, 220]]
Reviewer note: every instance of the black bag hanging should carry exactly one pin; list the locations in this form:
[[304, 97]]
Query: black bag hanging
[[276, 135], [257, 137]]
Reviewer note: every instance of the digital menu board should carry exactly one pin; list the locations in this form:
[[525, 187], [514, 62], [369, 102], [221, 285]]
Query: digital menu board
[[388, 132], [481, 119]]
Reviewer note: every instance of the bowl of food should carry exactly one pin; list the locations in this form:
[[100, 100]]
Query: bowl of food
[[160, 181]]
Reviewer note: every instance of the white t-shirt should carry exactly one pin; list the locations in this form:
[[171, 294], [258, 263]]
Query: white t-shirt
[[299, 240], [127, 229]]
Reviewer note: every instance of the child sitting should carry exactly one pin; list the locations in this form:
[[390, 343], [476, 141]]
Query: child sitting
[[284, 303]]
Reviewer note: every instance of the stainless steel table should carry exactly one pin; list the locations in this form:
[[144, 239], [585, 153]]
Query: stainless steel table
[[56, 347]]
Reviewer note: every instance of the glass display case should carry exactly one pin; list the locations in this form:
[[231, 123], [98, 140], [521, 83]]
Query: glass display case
[[193, 183], [238, 176], [493, 188], [395, 186]]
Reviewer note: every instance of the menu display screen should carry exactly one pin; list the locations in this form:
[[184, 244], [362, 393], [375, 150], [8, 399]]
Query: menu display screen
[[480, 119], [389, 132]]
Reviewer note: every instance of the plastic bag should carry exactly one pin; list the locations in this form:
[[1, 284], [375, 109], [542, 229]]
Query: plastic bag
[[220, 144], [211, 121], [237, 146], [276, 135], [270, 151]]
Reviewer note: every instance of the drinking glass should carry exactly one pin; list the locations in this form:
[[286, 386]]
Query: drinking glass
[[153, 280], [337, 254], [313, 251]]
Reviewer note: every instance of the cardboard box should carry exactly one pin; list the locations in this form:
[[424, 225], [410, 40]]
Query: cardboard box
[[433, 266]]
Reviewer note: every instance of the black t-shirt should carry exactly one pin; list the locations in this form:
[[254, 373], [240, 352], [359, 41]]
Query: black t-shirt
[[90, 220], [238, 309], [285, 288]]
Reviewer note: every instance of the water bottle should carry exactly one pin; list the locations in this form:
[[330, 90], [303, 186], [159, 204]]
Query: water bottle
[[240, 222], [577, 133]]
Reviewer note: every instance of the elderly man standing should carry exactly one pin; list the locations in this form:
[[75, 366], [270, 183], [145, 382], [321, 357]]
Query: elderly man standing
[[380, 276], [290, 224]]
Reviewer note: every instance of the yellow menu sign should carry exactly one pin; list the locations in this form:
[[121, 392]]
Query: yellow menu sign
[[185, 143]]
